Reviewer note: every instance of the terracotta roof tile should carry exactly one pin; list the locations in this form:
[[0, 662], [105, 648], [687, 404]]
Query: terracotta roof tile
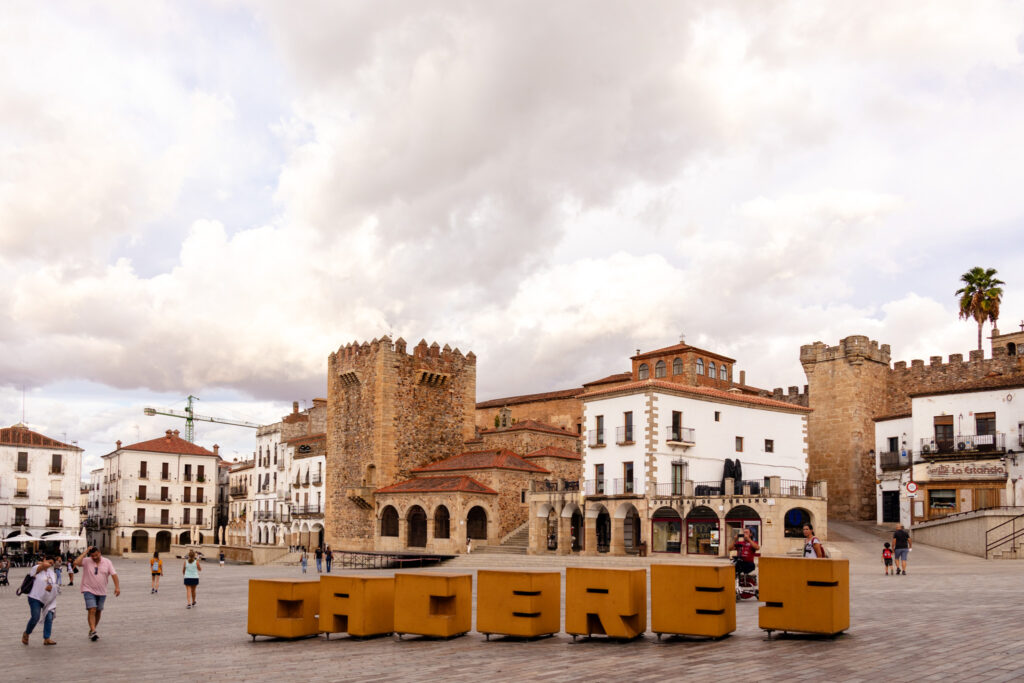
[[438, 485], [534, 425], [20, 435], [170, 443], [498, 458], [530, 398], [618, 377], [708, 392], [680, 348], [553, 452]]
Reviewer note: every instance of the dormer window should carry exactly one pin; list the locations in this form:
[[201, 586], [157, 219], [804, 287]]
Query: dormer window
[[711, 369], [700, 366], [660, 368], [677, 366], [723, 373], [644, 371]]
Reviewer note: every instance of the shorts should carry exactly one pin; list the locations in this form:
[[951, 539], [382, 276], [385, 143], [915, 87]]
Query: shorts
[[888, 562], [901, 553], [157, 574], [744, 567], [93, 601], [191, 582]]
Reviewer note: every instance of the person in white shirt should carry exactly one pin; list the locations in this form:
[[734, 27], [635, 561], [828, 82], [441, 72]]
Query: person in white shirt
[[42, 600]]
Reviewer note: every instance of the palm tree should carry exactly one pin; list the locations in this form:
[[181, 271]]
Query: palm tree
[[980, 297]]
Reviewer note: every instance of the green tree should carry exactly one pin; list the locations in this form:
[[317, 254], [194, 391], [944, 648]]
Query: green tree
[[980, 297]]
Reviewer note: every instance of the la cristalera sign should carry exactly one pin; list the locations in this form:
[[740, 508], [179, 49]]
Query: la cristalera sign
[[967, 470]]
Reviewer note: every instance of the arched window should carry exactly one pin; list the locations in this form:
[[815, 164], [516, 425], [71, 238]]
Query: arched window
[[677, 366], [1011, 349], [723, 373], [441, 522], [389, 522], [700, 366], [659, 368], [711, 369], [643, 372]]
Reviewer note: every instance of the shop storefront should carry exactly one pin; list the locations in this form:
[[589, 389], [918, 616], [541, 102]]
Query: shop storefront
[[702, 532], [667, 531], [741, 517], [951, 487]]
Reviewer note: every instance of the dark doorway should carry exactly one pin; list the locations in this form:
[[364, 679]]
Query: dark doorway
[[417, 527], [476, 523], [577, 531], [604, 531], [163, 541], [890, 506]]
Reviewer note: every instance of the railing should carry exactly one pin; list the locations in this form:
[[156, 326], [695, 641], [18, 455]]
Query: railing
[[963, 443], [595, 438], [680, 435], [22, 470], [793, 487], [894, 460], [594, 487], [153, 499], [239, 490], [164, 476], [21, 494], [756, 487], [51, 523], [669, 488], [282, 518], [280, 465], [143, 474], [317, 479], [1015, 532], [622, 487], [307, 510], [543, 485], [56, 496], [57, 470], [201, 478], [187, 476], [624, 435], [264, 515], [19, 521], [707, 488]]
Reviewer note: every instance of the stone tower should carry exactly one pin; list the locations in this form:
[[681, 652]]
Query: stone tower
[[387, 413], [847, 385]]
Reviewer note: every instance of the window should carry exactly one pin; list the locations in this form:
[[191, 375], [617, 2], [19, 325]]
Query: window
[[22, 488], [188, 472], [389, 522], [442, 522], [165, 472], [718, 416], [186, 516], [723, 374], [700, 366], [22, 462], [21, 516], [165, 516], [643, 372], [143, 474], [943, 499], [677, 479], [660, 368], [677, 426], [201, 473], [187, 496], [944, 433], [739, 444], [140, 516], [142, 493], [199, 495], [55, 491], [711, 369], [600, 429], [769, 445], [163, 493], [627, 477], [677, 366], [627, 431], [56, 467], [599, 478], [199, 515]]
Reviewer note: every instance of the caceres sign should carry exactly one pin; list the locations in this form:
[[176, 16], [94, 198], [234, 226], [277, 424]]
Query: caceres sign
[[966, 470]]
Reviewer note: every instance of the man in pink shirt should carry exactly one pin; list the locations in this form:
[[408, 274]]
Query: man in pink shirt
[[96, 570]]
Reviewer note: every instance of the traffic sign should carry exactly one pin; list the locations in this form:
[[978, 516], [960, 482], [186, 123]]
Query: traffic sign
[[911, 487]]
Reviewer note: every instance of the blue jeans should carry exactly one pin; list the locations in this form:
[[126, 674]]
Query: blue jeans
[[318, 565], [36, 608]]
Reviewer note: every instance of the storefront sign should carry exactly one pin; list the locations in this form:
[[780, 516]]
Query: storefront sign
[[966, 470]]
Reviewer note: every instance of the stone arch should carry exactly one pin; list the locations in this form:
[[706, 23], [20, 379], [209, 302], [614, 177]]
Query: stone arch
[[389, 521], [140, 541], [476, 523], [163, 542], [702, 531], [742, 516], [569, 509], [185, 538], [793, 522], [677, 366], [442, 522], [628, 518], [544, 510], [416, 527], [644, 371], [666, 530], [660, 368], [624, 509]]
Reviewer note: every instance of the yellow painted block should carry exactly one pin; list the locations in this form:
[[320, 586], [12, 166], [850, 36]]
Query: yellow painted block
[[283, 608], [358, 605], [433, 604], [524, 604], [807, 595], [611, 602], [693, 600]]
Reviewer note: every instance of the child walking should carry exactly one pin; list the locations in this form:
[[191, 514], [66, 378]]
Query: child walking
[[887, 559]]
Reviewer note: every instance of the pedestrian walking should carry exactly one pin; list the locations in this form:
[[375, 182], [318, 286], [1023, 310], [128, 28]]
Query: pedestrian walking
[[901, 544], [156, 568], [329, 558], [303, 560], [812, 546], [72, 569], [96, 572], [190, 569], [42, 600], [318, 555], [58, 565], [222, 558], [887, 559]]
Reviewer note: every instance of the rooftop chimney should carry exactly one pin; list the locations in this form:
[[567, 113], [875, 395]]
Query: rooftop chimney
[[743, 377], [216, 449], [295, 407], [119, 445], [176, 432], [169, 433]]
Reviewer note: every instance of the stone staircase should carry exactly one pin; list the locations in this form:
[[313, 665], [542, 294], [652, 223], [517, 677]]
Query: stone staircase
[[292, 560], [515, 543]]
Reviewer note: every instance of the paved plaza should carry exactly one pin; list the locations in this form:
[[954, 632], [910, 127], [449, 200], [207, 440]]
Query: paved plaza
[[954, 617]]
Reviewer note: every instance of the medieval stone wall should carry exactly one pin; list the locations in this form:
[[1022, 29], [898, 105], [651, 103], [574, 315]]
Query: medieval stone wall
[[389, 412], [561, 468], [566, 413], [939, 376], [524, 441]]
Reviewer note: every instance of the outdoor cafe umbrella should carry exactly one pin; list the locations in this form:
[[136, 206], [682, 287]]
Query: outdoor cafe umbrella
[[21, 538]]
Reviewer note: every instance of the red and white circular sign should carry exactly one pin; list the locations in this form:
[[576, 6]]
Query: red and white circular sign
[[911, 487]]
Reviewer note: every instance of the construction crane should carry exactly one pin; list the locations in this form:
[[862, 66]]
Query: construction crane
[[189, 416]]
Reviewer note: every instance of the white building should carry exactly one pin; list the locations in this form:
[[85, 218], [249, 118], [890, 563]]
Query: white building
[[39, 484], [156, 493], [961, 448], [95, 512]]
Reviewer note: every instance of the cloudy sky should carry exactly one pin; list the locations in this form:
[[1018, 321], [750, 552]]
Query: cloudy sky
[[209, 198]]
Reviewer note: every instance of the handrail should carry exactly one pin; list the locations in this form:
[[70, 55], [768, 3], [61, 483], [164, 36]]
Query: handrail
[[1012, 536]]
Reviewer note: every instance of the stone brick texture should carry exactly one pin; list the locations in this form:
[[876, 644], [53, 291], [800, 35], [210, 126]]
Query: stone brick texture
[[389, 412], [852, 383], [566, 413], [525, 441]]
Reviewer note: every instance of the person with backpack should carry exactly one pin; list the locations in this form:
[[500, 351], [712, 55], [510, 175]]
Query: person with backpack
[[812, 546], [40, 586], [156, 568]]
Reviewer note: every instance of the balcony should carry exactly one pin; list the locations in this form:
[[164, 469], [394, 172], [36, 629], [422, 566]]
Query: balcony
[[894, 461], [153, 499], [624, 435], [543, 485], [317, 480], [21, 494], [165, 477], [187, 476], [53, 523], [57, 470], [21, 521], [201, 478], [680, 436], [280, 465], [143, 474], [56, 496], [264, 515], [22, 469], [307, 510], [239, 491], [963, 444], [595, 438]]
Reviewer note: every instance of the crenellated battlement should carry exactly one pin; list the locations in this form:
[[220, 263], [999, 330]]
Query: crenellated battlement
[[791, 395], [432, 357], [855, 349]]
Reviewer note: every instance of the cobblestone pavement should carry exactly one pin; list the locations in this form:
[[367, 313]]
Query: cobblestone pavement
[[954, 617]]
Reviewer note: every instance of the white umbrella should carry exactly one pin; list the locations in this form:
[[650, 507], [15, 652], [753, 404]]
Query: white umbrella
[[21, 538], [62, 536]]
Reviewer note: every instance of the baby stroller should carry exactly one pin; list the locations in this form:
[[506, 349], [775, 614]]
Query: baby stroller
[[746, 584], [3, 578]]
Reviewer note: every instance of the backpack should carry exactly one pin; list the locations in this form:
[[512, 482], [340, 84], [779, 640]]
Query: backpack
[[26, 584]]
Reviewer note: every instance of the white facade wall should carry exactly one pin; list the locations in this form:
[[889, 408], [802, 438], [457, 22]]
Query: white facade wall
[[901, 429], [714, 440], [39, 491]]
